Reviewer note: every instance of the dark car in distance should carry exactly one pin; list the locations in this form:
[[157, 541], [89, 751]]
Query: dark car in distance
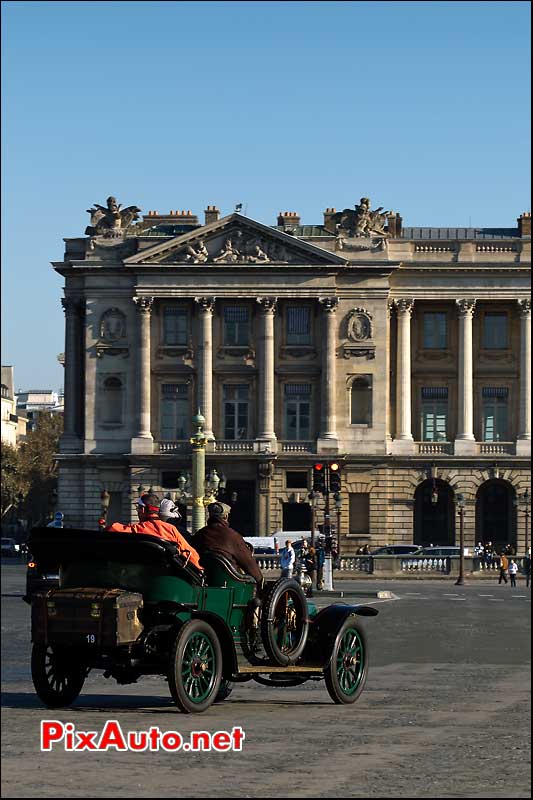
[[397, 550]]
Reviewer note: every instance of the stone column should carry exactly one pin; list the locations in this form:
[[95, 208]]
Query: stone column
[[523, 446], [73, 308], [143, 441], [328, 421], [404, 310], [265, 426], [465, 388], [205, 363]]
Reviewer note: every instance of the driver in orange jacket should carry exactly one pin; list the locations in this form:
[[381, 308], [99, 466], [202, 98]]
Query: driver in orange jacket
[[149, 523]]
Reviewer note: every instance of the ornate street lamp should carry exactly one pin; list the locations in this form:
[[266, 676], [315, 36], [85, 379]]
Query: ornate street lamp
[[461, 504], [338, 506], [313, 497], [523, 503], [198, 443]]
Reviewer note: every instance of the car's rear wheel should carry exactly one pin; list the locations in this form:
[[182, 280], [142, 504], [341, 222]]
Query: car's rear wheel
[[284, 622], [57, 676], [226, 688], [347, 669], [195, 667]]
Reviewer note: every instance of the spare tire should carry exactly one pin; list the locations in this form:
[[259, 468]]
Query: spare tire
[[284, 622]]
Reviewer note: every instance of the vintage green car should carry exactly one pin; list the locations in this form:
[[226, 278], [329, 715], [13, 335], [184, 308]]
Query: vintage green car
[[132, 605]]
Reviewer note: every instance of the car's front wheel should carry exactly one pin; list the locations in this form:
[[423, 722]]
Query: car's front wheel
[[195, 669], [347, 668]]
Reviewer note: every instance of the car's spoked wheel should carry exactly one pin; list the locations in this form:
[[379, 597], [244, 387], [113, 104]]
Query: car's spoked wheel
[[196, 667], [57, 676], [284, 622], [347, 669]]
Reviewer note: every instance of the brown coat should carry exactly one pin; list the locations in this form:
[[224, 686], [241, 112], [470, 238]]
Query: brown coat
[[218, 537]]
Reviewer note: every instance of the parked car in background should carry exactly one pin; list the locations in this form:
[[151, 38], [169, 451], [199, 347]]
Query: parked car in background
[[440, 552], [397, 550], [9, 548]]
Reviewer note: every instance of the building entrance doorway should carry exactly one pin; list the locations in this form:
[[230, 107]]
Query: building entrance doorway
[[495, 514], [296, 517], [434, 517], [242, 517]]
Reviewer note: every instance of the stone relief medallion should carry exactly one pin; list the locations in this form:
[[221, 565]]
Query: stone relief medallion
[[112, 325], [359, 325]]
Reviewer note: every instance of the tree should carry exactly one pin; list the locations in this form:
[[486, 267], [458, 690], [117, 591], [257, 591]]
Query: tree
[[38, 466], [14, 482]]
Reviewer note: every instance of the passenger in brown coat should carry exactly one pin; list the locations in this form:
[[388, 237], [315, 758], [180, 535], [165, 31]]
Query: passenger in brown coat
[[218, 537]]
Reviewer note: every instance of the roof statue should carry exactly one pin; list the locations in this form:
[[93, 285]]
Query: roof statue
[[361, 221], [112, 220]]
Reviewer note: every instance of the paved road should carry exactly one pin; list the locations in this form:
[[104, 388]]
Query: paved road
[[445, 713]]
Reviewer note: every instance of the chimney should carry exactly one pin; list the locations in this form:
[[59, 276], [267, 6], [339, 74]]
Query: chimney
[[394, 225], [212, 214], [524, 224], [328, 224], [288, 219]]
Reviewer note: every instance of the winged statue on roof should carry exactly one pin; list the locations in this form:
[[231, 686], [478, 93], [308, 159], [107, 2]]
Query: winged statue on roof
[[110, 220], [361, 220]]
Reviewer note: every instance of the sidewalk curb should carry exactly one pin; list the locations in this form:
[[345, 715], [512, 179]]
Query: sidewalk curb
[[382, 594]]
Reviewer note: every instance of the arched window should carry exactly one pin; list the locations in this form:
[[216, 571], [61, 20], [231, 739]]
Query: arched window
[[112, 401], [361, 400]]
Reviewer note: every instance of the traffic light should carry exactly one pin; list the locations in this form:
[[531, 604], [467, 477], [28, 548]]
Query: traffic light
[[319, 477], [334, 477]]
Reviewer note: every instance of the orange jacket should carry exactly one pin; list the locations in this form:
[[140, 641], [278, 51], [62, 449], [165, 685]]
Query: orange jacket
[[156, 527]]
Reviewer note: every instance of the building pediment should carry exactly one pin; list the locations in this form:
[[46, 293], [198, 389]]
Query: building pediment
[[234, 241]]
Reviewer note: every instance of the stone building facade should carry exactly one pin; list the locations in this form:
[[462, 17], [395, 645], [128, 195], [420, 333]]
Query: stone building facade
[[403, 353]]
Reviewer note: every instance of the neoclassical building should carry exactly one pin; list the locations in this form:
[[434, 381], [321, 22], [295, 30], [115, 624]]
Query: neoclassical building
[[402, 352]]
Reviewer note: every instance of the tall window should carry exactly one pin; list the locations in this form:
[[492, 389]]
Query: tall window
[[434, 422], [495, 333], [495, 413], [236, 326], [297, 407], [298, 325], [235, 399], [175, 327], [361, 400], [435, 330], [112, 401], [359, 512], [175, 411]]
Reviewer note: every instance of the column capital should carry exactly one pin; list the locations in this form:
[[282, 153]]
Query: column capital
[[524, 306], [73, 306], [144, 304], [466, 306], [404, 305], [329, 304], [268, 304], [207, 304]]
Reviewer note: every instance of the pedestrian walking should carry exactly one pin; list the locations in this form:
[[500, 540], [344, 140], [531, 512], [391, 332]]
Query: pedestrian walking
[[320, 559], [513, 571], [287, 559], [504, 566], [310, 566]]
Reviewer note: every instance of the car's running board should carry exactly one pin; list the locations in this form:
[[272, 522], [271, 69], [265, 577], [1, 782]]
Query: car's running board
[[267, 670]]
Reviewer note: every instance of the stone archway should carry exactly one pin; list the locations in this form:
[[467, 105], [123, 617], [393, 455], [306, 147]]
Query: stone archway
[[495, 513], [434, 523]]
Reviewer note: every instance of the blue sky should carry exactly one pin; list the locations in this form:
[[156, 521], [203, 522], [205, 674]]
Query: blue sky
[[423, 107]]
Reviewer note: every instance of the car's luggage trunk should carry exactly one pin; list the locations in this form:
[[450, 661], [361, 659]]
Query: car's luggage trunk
[[86, 616]]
